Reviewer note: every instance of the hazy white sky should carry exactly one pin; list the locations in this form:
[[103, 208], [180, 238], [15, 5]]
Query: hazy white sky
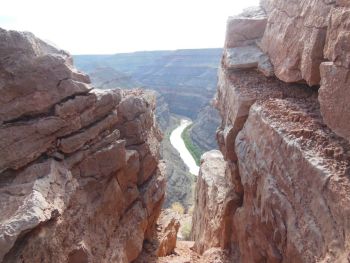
[[113, 26]]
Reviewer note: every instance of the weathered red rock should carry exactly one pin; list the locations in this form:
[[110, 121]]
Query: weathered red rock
[[292, 172], [24, 141], [237, 91], [78, 140], [163, 241], [336, 48], [38, 194], [294, 185], [334, 92], [245, 29], [152, 194], [248, 57], [294, 38], [26, 89], [214, 201], [72, 190], [334, 96], [299, 37], [243, 36], [168, 226], [288, 170]]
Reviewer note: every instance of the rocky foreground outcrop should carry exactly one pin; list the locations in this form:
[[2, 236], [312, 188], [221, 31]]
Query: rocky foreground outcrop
[[163, 241], [80, 177], [215, 198], [281, 190]]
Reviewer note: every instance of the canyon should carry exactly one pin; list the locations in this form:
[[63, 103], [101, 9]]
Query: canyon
[[184, 82], [182, 77], [82, 175]]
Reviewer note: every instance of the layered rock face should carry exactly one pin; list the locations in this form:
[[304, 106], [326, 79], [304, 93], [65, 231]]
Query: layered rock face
[[204, 128], [185, 78], [284, 180], [308, 40], [215, 197], [80, 178]]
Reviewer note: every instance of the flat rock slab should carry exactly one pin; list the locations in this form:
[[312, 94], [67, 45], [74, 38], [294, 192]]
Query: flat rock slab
[[244, 29], [248, 57], [334, 96]]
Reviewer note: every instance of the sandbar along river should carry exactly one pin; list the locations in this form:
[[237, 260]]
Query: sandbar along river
[[178, 143]]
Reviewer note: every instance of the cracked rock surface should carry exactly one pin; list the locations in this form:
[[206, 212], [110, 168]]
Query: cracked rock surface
[[80, 176], [284, 143]]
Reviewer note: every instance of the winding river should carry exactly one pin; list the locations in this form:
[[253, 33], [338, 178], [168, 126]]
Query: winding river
[[178, 143]]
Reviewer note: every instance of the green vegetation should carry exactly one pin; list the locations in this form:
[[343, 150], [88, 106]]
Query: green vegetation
[[177, 207], [190, 210], [186, 230], [195, 151], [174, 122], [166, 135]]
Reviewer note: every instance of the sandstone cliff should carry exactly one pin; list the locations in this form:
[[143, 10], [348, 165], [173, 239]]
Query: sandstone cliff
[[80, 178], [280, 191]]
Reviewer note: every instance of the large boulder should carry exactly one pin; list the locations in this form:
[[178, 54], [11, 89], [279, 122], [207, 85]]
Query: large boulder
[[334, 93], [167, 227], [34, 76], [334, 96], [294, 38], [214, 200], [243, 36], [80, 179], [246, 28]]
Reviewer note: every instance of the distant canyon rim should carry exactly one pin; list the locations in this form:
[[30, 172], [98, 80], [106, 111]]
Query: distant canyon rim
[[88, 172], [184, 82]]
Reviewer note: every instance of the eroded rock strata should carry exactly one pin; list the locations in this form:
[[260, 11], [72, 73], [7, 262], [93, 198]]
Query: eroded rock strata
[[281, 190], [204, 129], [80, 177]]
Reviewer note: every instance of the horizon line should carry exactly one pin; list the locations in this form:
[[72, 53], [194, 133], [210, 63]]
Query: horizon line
[[140, 51]]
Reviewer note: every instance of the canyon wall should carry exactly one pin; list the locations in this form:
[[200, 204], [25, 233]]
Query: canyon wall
[[180, 182], [80, 176], [204, 127], [185, 78], [185, 83], [280, 191]]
